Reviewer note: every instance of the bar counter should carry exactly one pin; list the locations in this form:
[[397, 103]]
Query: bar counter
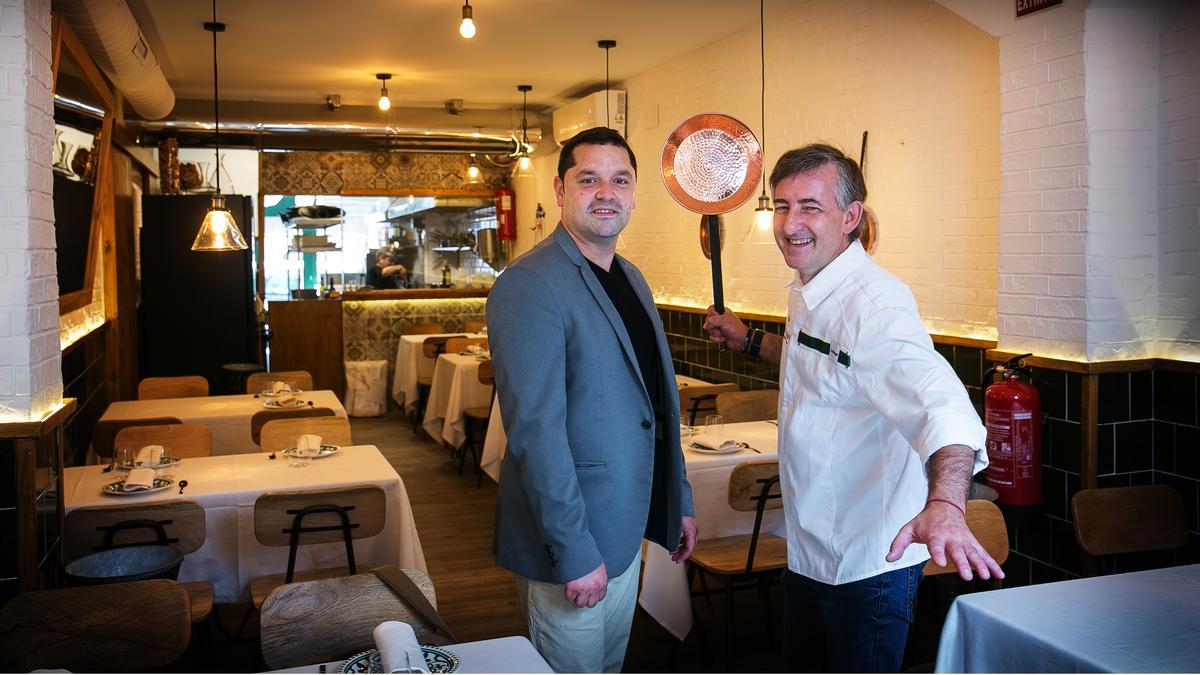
[[416, 294]]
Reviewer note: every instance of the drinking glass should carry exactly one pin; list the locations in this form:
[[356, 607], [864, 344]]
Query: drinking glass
[[295, 461], [714, 424], [123, 458]]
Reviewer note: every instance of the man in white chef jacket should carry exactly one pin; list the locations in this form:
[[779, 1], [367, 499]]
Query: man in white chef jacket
[[877, 437]]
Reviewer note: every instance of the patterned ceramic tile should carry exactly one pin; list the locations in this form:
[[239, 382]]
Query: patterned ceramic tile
[[307, 172], [371, 329]]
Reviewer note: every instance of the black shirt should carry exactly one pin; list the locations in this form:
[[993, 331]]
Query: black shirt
[[375, 278]]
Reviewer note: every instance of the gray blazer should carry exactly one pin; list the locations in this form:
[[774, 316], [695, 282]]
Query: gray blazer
[[575, 485]]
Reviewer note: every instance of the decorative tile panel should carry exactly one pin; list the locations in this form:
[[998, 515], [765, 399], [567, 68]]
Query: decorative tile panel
[[310, 172]]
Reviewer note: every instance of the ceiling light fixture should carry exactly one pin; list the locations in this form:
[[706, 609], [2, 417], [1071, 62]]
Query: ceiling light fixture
[[524, 168], [467, 27], [606, 45], [385, 103], [474, 175], [219, 231], [762, 227]]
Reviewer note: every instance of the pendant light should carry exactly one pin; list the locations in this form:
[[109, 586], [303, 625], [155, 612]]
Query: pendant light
[[474, 175], [467, 28], [524, 167], [219, 231], [385, 103], [762, 228], [606, 45]]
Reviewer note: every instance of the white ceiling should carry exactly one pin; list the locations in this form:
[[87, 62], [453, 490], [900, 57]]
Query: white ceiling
[[304, 50]]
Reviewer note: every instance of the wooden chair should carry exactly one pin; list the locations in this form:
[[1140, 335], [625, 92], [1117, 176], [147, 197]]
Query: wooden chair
[[260, 382], [475, 423], [293, 518], [423, 329], [332, 619], [987, 524], [282, 434], [104, 434], [180, 522], [132, 627], [261, 417], [748, 406], [457, 345], [1143, 518], [474, 326], [178, 440], [431, 348], [694, 400], [187, 386], [753, 486]]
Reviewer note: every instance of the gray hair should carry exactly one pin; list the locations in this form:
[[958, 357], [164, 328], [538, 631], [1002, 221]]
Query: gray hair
[[850, 188]]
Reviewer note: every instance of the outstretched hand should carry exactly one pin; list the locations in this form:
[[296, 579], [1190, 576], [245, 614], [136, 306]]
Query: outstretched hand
[[944, 530]]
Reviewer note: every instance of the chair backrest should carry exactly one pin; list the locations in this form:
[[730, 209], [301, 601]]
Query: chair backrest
[[105, 432], [456, 345], [281, 434], [486, 375], [474, 326], [987, 524], [754, 486], [178, 440], [748, 406], [1129, 519], [131, 627], [697, 399], [260, 382], [333, 619], [97, 528], [295, 517], [423, 328], [435, 345], [186, 386], [263, 416]]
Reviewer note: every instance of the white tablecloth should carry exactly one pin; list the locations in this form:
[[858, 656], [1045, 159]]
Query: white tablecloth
[[1141, 622], [411, 364], [455, 388], [227, 487], [501, 655], [665, 594], [495, 441], [227, 417]]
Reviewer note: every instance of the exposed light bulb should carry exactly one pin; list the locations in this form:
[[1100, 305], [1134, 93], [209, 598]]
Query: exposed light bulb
[[385, 103], [762, 228], [467, 27]]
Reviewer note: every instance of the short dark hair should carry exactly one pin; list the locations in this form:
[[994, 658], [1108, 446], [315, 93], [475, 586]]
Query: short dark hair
[[593, 136], [850, 188]]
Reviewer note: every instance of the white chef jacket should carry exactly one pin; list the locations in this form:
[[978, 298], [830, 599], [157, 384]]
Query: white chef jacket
[[864, 402]]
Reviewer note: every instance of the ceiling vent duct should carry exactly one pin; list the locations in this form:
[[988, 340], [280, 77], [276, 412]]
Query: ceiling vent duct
[[113, 39]]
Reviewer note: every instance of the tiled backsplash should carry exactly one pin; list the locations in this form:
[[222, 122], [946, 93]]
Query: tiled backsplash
[[695, 356]]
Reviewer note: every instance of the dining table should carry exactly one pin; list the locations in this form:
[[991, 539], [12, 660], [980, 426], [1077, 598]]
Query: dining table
[[495, 441], [499, 655], [455, 388], [228, 485], [227, 417], [1141, 622], [411, 363]]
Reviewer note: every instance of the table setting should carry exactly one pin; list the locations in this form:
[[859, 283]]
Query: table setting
[[499, 655], [455, 388], [412, 364]]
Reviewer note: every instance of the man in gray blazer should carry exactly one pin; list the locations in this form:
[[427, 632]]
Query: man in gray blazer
[[587, 393]]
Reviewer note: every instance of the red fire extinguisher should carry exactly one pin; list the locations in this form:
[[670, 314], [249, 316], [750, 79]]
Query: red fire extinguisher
[[1012, 410], [506, 214]]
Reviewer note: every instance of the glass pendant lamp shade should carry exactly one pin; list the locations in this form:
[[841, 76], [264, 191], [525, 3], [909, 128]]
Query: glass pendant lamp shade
[[474, 175], [524, 167], [762, 229], [219, 231]]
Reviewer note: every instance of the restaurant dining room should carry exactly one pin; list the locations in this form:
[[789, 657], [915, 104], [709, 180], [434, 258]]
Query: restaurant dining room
[[546, 336]]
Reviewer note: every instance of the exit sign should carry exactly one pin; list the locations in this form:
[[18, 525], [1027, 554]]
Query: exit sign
[[1027, 7]]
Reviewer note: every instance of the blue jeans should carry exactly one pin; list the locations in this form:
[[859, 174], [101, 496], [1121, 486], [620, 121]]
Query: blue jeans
[[859, 627]]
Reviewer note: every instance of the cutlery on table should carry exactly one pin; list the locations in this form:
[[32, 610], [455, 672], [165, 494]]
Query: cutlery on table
[[746, 446]]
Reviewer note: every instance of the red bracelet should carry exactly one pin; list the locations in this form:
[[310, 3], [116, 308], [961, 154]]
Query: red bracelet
[[947, 501]]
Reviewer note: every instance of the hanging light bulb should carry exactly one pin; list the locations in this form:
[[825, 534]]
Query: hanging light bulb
[[762, 227], [524, 167], [474, 175], [467, 27], [385, 103], [219, 231]]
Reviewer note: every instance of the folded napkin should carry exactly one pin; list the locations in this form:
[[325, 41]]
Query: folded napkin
[[138, 480], [399, 651], [280, 388], [285, 399], [308, 445], [149, 456], [713, 442]]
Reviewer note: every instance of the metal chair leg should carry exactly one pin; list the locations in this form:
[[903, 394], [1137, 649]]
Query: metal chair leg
[[764, 585], [729, 622]]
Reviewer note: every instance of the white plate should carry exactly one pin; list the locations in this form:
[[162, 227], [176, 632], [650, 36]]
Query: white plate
[[117, 489], [272, 403], [695, 447], [162, 464], [326, 450], [438, 660], [270, 394]]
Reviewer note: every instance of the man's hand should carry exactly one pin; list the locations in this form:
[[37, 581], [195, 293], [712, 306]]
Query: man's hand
[[687, 540], [588, 590], [722, 328], [944, 530]]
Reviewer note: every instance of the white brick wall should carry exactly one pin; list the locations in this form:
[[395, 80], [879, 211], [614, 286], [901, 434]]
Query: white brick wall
[[30, 371]]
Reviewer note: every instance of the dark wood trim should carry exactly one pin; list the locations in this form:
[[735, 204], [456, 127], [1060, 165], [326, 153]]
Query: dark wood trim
[[959, 341], [38, 427], [1098, 367], [1089, 430], [417, 294]]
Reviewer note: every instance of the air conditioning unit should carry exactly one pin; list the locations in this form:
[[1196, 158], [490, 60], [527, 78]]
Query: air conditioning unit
[[590, 111]]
